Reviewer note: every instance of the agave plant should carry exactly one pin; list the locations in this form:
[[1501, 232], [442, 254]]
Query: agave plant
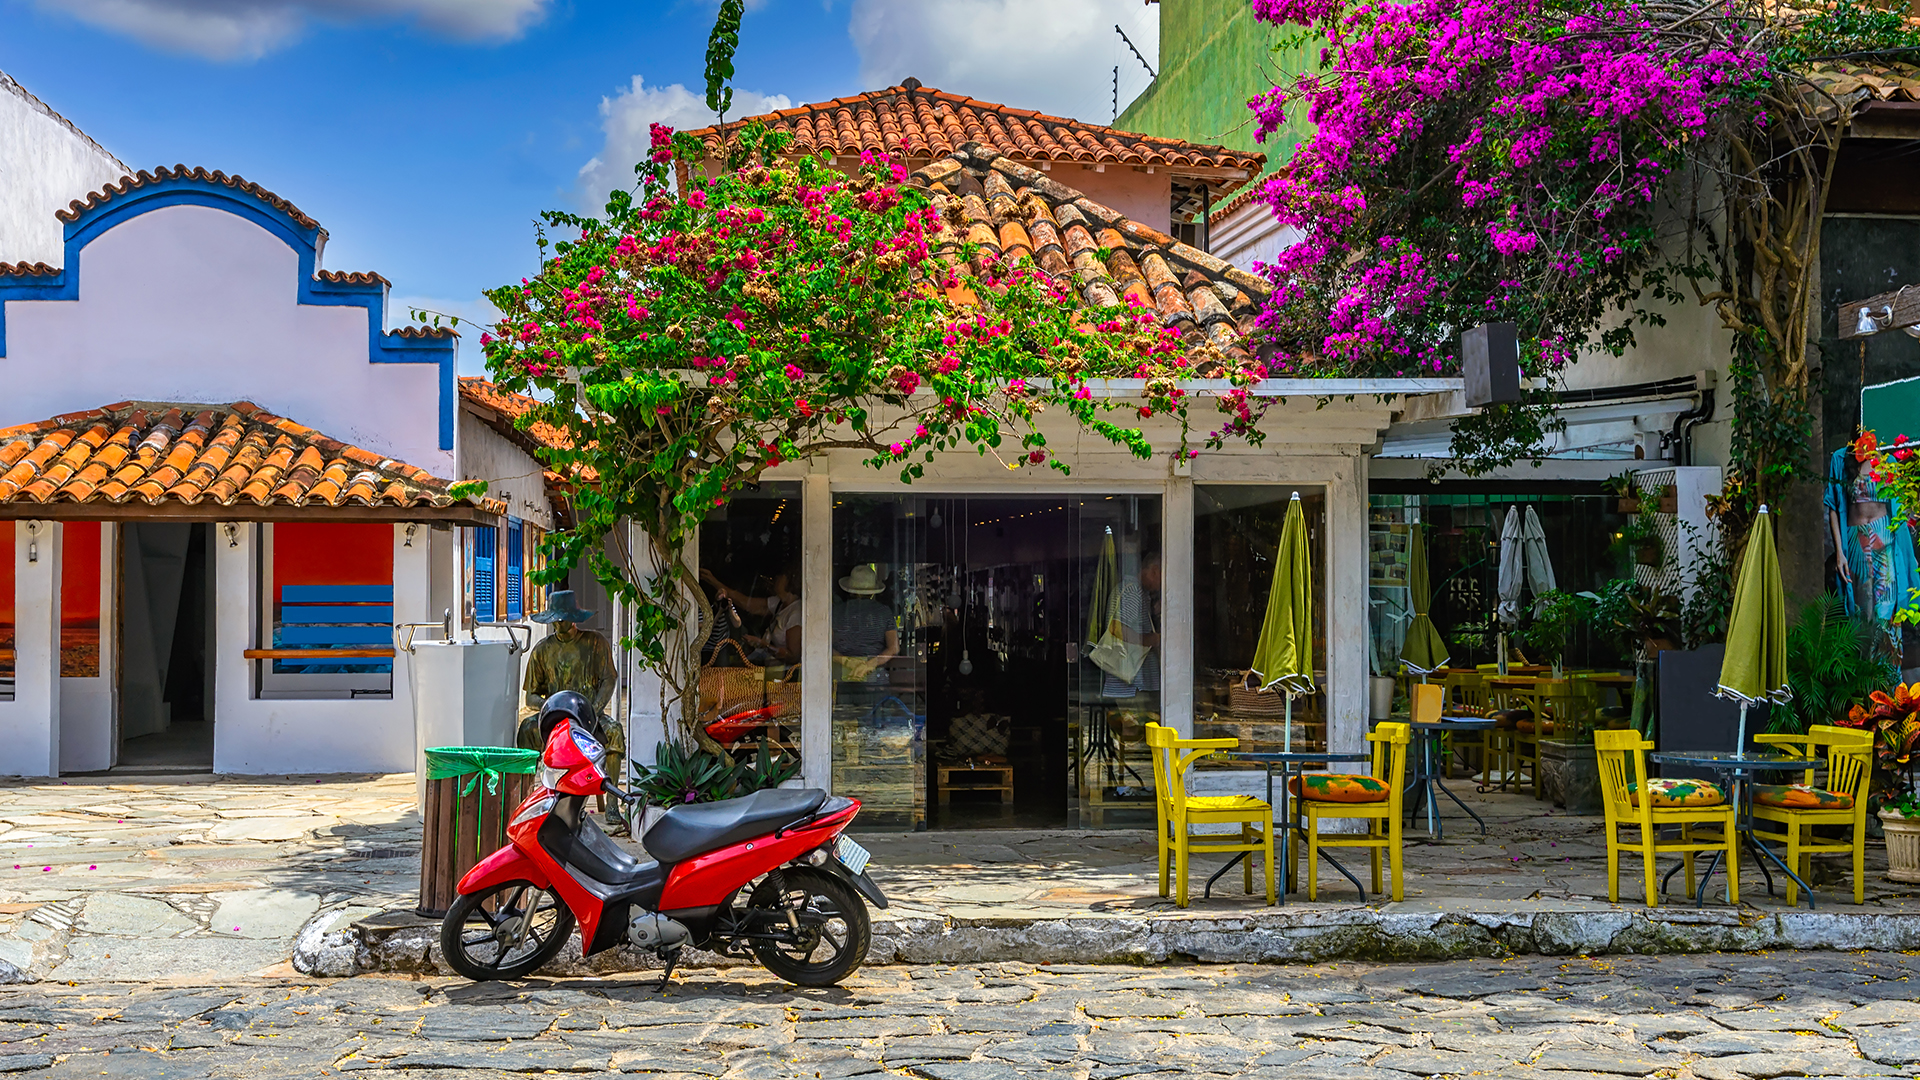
[[683, 775], [1894, 719]]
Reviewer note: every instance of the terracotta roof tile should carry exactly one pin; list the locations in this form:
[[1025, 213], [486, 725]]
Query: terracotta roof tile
[[181, 172], [1012, 210], [25, 269], [353, 277], [222, 455], [919, 122], [426, 332]]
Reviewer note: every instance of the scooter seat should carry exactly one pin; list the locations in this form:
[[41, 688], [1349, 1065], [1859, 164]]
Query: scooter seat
[[692, 829]]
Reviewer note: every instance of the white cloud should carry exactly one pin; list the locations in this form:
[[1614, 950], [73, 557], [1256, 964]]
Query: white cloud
[[627, 119], [1057, 56], [249, 29]]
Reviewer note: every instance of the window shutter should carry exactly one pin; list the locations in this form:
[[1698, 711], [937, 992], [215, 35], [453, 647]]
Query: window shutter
[[516, 566], [484, 543]]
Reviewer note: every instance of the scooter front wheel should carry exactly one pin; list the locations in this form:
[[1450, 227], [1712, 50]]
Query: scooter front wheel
[[834, 928], [508, 931]]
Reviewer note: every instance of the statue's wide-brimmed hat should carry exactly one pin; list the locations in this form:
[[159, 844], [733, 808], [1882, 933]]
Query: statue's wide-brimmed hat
[[560, 609]]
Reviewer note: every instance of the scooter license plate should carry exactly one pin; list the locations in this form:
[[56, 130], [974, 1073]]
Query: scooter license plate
[[851, 855]]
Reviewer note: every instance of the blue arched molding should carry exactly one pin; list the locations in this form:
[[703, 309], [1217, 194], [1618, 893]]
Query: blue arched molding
[[382, 347]]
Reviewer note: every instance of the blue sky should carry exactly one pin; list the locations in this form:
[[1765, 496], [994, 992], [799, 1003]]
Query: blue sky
[[427, 134]]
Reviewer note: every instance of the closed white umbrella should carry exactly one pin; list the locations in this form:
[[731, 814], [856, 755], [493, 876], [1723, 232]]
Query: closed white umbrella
[[1512, 573], [1533, 540]]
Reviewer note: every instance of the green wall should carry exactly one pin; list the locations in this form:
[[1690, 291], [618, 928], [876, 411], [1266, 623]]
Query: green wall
[[1213, 57]]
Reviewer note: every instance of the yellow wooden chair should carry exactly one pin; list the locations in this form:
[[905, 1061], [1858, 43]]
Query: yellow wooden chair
[[1178, 812], [1634, 802], [1324, 796], [1797, 808]]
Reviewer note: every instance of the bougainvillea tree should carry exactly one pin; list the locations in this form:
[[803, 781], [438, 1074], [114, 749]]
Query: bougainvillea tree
[[1571, 168], [777, 308]]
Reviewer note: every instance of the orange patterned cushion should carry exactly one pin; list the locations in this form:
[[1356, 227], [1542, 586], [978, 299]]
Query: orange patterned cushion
[[1340, 787], [1800, 797], [1674, 793]]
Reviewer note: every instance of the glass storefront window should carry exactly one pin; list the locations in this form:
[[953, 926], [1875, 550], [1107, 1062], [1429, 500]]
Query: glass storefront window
[[750, 569], [1236, 533], [966, 691]]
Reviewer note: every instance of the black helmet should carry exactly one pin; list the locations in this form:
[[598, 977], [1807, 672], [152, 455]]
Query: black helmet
[[568, 705]]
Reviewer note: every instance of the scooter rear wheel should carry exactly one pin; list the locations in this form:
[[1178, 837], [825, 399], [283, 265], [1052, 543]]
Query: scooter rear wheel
[[834, 927], [508, 931]]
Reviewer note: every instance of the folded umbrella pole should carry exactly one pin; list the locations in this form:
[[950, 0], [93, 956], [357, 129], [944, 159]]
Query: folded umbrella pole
[[1755, 666], [1425, 651], [1283, 657]]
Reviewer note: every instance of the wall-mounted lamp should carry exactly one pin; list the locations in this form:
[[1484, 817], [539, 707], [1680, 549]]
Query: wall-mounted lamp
[[233, 533], [411, 526], [33, 541]]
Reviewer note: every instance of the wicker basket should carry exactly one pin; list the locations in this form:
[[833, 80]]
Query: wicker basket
[[1244, 702]]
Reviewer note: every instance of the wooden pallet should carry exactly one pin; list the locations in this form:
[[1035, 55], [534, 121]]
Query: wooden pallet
[[1002, 781]]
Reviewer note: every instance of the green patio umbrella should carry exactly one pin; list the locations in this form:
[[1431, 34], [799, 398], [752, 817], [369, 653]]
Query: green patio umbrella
[[1425, 651], [1283, 658], [1755, 667]]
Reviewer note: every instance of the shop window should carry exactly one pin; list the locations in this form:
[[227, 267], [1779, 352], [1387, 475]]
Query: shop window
[[750, 569], [6, 610], [328, 589], [80, 600], [969, 686], [514, 581], [1236, 534]]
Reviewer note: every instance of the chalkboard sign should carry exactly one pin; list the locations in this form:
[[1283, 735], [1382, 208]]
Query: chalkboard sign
[[1691, 718], [1891, 410]]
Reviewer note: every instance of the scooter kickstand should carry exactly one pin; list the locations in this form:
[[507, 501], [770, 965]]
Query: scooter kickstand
[[672, 958]]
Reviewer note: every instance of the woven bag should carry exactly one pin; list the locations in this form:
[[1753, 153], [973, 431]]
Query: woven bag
[[725, 690], [977, 735], [1244, 702]]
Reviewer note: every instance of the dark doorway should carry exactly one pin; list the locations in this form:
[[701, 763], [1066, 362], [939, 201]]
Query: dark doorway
[[166, 613]]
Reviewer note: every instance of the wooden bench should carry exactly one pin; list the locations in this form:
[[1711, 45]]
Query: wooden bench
[[984, 778]]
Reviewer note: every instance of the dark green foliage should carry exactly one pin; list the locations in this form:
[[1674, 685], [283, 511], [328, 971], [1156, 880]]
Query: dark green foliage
[[1833, 663], [681, 776]]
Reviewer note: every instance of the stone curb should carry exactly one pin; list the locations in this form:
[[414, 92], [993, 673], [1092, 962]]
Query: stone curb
[[325, 948]]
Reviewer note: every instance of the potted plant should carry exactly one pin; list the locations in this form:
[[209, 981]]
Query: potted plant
[[1894, 719], [1623, 491], [1669, 500], [1642, 537], [1569, 771], [1555, 614], [681, 775]]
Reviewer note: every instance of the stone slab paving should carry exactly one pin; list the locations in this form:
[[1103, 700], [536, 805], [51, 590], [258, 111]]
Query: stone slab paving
[[110, 878], [1706, 1016]]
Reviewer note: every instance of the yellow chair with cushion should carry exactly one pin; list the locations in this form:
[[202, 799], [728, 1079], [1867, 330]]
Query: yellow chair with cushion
[[1797, 808], [1466, 695], [1375, 799], [1178, 812], [1689, 804]]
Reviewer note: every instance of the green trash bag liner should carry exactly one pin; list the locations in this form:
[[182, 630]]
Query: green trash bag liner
[[490, 762]]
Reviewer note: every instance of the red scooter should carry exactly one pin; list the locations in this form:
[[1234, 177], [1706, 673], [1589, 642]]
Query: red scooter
[[769, 874]]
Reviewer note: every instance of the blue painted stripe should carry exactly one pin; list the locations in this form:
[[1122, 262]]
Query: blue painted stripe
[[348, 613], [382, 347], [331, 667], [303, 637], [336, 594]]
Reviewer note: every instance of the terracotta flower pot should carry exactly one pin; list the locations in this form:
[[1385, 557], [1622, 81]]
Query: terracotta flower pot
[[1903, 845]]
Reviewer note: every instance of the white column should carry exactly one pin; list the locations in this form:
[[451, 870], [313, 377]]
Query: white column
[[1346, 622], [236, 625], [1179, 577], [816, 630], [30, 723], [647, 706]]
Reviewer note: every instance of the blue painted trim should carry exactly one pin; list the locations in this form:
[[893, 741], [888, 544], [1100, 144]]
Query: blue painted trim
[[382, 347]]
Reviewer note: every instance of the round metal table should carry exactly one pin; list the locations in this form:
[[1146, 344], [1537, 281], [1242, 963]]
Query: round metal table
[[1426, 771], [1737, 767], [1291, 763]]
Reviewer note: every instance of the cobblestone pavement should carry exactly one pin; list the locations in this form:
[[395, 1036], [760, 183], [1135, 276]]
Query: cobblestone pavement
[[201, 876], [1710, 1016]]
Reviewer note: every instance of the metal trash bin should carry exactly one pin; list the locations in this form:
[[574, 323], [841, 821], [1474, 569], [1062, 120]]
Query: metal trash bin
[[472, 792]]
